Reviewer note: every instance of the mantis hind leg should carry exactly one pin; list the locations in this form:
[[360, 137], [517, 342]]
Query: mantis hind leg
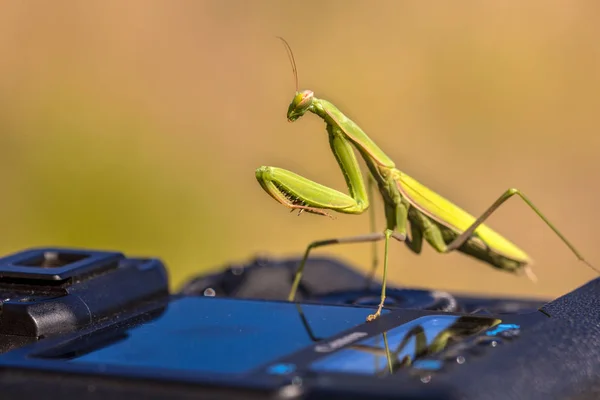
[[432, 237], [458, 241], [437, 238]]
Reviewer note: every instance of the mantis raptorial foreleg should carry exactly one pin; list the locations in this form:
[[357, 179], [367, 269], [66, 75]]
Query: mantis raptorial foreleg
[[297, 192]]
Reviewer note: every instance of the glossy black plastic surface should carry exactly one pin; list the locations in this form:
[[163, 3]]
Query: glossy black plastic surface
[[51, 291], [127, 339], [210, 335]]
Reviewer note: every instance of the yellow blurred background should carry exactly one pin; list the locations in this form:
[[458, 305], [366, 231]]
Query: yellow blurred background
[[137, 126]]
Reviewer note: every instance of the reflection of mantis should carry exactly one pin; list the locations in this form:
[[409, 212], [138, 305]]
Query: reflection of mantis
[[376, 351], [393, 362], [432, 218], [422, 347]]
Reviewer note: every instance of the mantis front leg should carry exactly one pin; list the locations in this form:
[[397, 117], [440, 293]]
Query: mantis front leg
[[297, 192]]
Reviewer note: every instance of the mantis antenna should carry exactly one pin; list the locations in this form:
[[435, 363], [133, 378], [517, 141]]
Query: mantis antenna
[[291, 58]]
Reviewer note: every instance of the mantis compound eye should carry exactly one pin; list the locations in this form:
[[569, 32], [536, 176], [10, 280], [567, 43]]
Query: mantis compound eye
[[306, 98], [300, 104]]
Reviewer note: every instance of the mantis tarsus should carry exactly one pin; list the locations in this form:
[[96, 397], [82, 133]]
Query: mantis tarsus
[[409, 205]]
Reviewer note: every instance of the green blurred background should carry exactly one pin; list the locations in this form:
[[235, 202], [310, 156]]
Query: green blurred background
[[137, 126]]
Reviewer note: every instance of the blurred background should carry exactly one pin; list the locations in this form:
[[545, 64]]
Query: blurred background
[[137, 126]]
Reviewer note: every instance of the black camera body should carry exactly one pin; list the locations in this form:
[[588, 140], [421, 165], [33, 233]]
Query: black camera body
[[94, 324]]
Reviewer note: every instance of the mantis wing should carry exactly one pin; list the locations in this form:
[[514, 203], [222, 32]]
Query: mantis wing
[[453, 217]]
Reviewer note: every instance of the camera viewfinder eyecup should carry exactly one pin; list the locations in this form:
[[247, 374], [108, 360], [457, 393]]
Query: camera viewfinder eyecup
[[49, 291]]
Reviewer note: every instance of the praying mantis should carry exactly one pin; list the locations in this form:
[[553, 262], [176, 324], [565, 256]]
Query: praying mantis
[[409, 205]]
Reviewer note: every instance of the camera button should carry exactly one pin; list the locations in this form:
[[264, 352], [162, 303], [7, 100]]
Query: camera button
[[281, 369]]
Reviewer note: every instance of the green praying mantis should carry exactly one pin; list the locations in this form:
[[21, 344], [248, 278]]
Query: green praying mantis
[[404, 354], [412, 343], [409, 205]]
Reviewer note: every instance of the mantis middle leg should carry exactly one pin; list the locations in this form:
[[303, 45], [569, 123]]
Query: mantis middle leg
[[414, 243], [371, 237], [373, 225]]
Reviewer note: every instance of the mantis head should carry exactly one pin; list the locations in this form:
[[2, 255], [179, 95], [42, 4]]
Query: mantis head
[[300, 105]]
